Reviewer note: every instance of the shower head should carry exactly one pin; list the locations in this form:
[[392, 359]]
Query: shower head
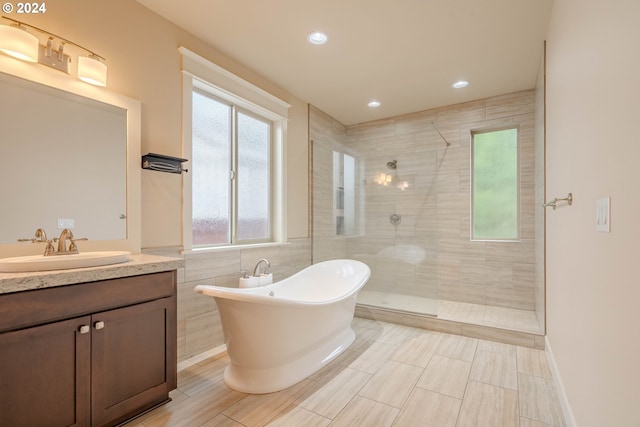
[[393, 165]]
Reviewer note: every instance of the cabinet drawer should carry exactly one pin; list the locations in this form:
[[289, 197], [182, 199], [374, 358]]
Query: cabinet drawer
[[23, 309]]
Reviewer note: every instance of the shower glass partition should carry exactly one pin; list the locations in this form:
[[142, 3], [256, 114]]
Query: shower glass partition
[[377, 205]]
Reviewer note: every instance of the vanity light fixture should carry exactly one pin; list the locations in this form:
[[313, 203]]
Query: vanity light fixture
[[460, 84], [17, 42], [91, 70], [317, 38]]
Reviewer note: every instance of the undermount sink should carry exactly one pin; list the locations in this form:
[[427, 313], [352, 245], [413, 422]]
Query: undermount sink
[[24, 264]]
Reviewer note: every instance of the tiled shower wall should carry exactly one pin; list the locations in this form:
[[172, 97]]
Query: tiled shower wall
[[326, 135], [435, 208], [199, 327]]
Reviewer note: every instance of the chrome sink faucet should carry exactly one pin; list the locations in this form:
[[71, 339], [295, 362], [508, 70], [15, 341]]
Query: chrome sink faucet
[[265, 261]]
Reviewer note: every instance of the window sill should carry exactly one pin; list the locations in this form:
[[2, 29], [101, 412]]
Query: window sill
[[228, 248]]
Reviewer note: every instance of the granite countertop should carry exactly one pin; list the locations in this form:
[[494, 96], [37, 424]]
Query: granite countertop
[[137, 265]]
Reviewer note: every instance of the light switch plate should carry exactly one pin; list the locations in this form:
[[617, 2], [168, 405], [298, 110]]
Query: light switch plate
[[66, 223], [603, 215]]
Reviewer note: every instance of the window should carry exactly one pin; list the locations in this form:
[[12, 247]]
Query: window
[[234, 136], [231, 183], [344, 202], [494, 198]]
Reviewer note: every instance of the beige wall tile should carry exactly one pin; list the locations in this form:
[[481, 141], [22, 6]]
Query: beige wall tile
[[203, 332], [512, 104], [500, 335], [432, 324]]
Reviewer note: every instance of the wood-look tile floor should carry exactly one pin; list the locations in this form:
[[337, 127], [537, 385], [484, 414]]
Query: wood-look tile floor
[[392, 375]]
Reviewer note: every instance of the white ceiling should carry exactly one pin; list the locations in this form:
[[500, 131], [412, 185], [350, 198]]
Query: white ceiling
[[404, 53]]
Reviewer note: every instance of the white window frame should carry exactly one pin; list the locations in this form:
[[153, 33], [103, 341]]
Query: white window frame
[[200, 73]]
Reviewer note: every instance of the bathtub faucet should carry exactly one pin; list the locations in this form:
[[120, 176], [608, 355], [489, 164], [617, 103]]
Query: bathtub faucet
[[256, 270]]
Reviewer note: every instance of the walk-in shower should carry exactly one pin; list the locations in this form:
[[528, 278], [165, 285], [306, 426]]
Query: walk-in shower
[[397, 195]]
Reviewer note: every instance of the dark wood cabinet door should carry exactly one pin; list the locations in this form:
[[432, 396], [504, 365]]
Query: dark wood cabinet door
[[45, 375], [132, 371]]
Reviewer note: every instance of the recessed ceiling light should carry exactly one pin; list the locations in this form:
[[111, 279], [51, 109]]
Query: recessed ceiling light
[[317, 38], [374, 104], [460, 84]]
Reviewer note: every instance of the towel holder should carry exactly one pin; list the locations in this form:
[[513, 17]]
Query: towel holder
[[162, 163], [554, 202]]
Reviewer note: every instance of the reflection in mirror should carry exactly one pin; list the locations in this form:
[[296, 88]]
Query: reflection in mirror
[[64, 163]]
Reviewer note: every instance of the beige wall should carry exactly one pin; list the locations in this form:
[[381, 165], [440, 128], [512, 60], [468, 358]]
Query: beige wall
[[539, 199], [142, 55], [593, 112]]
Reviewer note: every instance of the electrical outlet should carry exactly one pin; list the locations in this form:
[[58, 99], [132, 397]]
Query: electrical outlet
[[66, 223]]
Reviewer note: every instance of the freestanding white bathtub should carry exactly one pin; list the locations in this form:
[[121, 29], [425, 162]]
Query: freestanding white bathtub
[[279, 334]]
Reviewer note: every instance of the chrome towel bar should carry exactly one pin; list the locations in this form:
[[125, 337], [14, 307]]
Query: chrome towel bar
[[554, 202]]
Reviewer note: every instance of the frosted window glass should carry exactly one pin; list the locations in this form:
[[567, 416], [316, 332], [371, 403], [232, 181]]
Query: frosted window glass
[[495, 185], [254, 178], [211, 162]]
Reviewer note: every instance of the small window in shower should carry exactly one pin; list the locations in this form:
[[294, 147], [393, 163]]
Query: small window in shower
[[495, 185], [344, 199]]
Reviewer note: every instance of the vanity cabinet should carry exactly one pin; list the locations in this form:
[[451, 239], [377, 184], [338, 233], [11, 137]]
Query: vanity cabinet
[[92, 354]]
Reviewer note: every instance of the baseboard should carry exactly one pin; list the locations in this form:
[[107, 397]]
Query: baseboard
[[202, 356], [557, 379]]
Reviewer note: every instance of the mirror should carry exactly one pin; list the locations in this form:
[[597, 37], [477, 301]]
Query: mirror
[[65, 163]]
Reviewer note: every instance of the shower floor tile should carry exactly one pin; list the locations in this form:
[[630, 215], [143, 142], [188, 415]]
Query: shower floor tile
[[487, 315], [476, 314], [408, 303]]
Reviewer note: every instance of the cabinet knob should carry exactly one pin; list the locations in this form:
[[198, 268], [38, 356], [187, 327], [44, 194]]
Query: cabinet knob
[[83, 329], [99, 325]]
